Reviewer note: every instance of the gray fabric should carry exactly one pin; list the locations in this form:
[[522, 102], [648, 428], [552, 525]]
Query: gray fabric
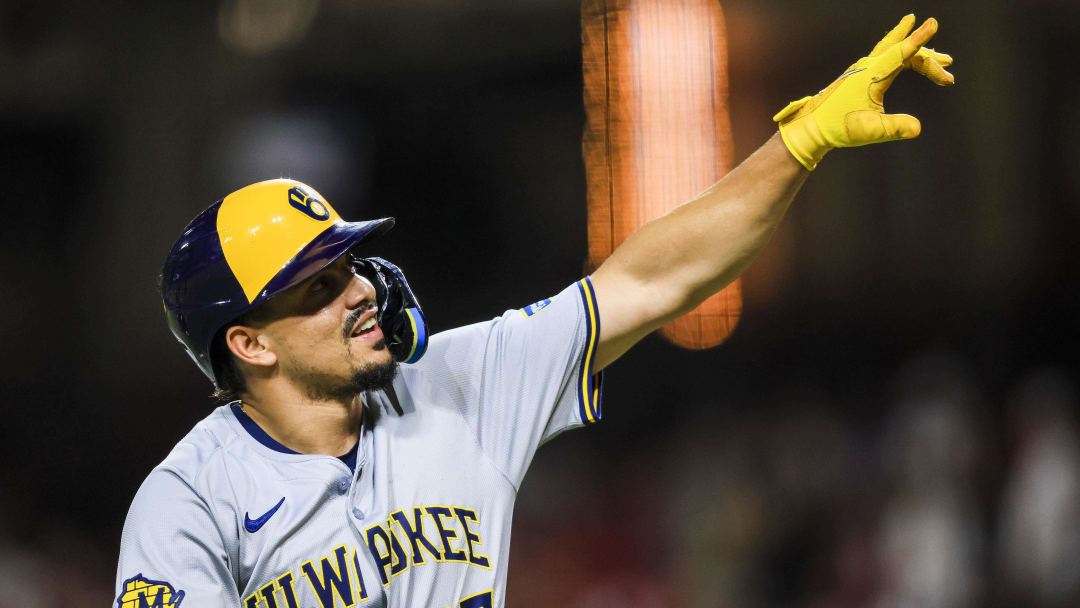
[[440, 460]]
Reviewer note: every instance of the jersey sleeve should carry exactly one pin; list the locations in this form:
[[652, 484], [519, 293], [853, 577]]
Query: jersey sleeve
[[523, 377], [171, 552]]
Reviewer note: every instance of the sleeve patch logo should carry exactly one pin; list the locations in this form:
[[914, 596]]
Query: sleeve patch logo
[[141, 592], [536, 307]]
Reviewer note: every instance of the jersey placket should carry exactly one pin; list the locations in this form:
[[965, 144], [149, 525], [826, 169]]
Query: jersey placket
[[361, 481], [360, 507]]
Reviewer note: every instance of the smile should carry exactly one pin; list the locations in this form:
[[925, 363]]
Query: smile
[[366, 322], [364, 327]]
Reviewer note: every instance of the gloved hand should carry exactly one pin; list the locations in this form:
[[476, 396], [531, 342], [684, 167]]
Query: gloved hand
[[850, 112]]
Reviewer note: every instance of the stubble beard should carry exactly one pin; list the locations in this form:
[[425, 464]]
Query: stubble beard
[[370, 376]]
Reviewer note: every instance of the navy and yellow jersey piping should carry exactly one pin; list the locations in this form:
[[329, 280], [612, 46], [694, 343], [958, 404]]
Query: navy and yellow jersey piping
[[590, 385]]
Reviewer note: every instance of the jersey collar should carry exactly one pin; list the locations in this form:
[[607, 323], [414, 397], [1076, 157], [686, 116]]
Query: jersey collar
[[256, 431], [258, 434]]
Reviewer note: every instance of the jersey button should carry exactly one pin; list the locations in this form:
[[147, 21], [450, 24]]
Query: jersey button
[[343, 485], [357, 513]]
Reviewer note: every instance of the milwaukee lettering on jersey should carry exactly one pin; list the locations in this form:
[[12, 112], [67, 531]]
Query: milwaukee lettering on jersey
[[406, 539]]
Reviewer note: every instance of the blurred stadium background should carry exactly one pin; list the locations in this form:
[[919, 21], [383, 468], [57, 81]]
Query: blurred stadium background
[[893, 423]]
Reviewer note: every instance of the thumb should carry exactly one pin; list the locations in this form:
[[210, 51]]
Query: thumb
[[870, 127], [901, 126]]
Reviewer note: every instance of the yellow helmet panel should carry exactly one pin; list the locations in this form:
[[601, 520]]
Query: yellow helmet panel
[[264, 225]]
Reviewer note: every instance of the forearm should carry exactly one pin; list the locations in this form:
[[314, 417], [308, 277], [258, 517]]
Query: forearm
[[673, 263], [681, 258]]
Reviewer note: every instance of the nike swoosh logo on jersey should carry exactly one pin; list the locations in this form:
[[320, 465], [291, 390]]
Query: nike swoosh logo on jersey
[[846, 74], [253, 525]]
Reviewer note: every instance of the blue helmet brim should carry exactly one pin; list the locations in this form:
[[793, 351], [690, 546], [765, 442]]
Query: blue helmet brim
[[321, 252]]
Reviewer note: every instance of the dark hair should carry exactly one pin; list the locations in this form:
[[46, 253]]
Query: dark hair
[[230, 380]]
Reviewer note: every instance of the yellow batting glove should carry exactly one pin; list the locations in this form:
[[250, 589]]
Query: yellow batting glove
[[850, 112]]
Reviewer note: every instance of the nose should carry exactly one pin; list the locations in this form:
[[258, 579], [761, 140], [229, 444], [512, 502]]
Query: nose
[[359, 292]]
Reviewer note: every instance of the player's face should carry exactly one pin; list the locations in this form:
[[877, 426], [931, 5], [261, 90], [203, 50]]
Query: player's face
[[325, 336]]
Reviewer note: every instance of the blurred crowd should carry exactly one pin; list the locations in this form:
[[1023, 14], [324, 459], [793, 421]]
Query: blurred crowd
[[951, 498]]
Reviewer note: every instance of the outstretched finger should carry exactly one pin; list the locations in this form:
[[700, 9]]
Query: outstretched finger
[[895, 35], [943, 59], [919, 37], [932, 70]]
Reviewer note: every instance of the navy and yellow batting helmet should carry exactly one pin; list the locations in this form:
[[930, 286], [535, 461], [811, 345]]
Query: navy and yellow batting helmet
[[251, 245]]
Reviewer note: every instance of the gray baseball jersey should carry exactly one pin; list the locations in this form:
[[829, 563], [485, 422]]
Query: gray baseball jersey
[[233, 518]]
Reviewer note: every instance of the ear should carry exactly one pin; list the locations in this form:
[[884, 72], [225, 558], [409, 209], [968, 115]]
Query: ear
[[250, 346]]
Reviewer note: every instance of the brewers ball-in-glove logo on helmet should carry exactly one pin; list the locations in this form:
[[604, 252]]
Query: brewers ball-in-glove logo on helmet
[[262, 240]]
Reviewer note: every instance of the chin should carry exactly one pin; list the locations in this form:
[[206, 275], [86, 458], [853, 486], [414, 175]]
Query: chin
[[372, 370], [376, 375]]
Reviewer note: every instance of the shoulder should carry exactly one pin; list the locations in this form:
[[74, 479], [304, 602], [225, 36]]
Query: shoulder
[[200, 447], [186, 468], [184, 485]]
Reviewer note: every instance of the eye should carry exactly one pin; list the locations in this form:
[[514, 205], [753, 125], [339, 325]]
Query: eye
[[318, 285]]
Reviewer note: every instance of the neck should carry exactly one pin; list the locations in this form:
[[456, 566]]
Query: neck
[[302, 424]]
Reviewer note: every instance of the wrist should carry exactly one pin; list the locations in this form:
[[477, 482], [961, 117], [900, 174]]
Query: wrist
[[804, 139]]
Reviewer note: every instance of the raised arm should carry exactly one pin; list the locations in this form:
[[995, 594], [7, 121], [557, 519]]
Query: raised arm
[[674, 262]]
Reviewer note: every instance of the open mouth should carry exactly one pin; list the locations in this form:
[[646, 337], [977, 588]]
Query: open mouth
[[364, 327], [361, 322]]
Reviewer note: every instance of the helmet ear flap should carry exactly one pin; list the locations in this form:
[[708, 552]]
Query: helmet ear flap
[[400, 317]]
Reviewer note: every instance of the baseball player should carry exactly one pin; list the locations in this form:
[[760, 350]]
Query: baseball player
[[362, 462]]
